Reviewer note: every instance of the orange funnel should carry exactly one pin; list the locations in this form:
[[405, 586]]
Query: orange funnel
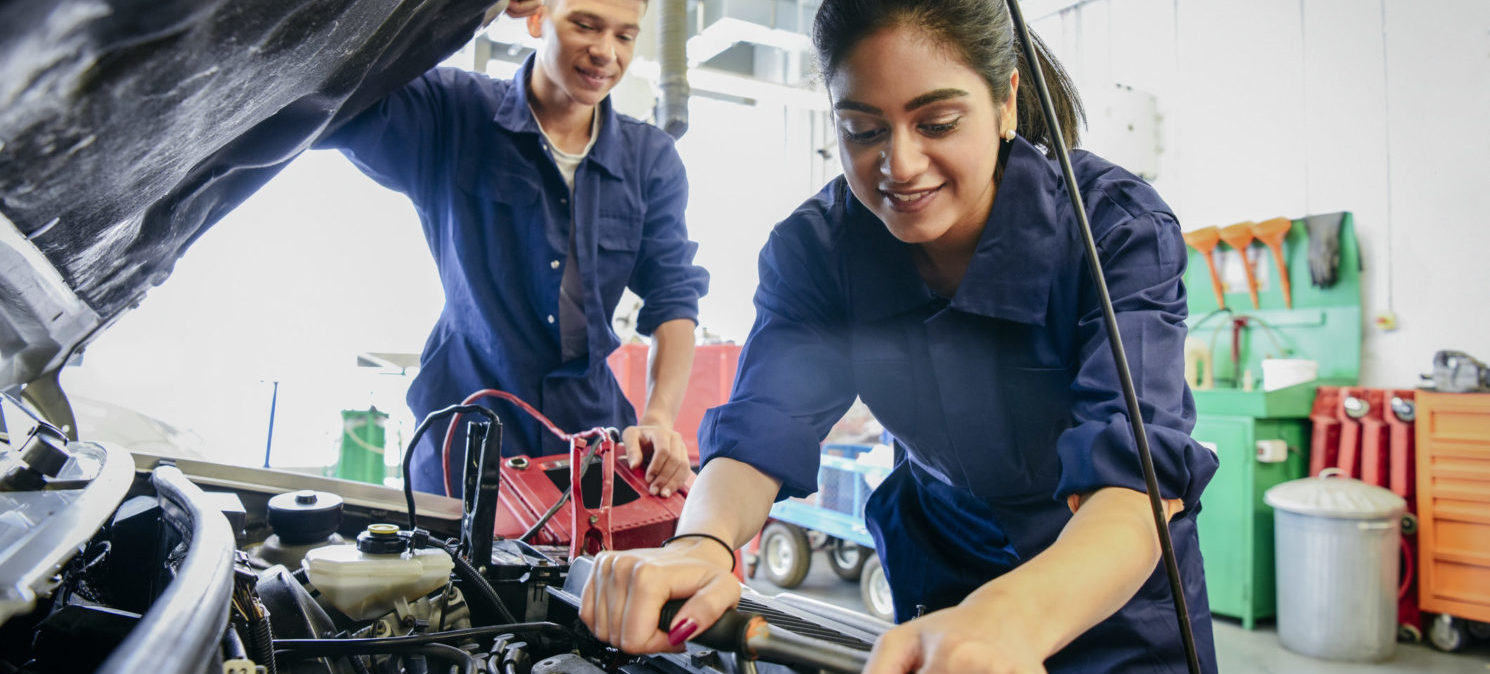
[[1272, 232], [1239, 236], [1204, 240]]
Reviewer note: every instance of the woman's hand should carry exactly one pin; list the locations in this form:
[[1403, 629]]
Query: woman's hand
[[1101, 558], [623, 601], [975, 637]]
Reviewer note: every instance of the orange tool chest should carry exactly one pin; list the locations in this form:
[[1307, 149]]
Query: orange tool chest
[[1453, 475]]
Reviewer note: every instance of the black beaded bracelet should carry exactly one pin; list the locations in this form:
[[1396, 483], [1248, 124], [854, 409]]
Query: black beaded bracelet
[[711, 537]]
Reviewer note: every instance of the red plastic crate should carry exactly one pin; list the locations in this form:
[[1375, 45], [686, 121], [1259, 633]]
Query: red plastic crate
[[709, 384]]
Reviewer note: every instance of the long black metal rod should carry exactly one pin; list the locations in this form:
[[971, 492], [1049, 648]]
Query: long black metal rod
[[1120, 357]]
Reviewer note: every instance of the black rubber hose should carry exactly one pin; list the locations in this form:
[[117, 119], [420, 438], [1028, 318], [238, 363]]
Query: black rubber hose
[[419, 433], [473, 580], [261, 643], [338, 647], [467, 663]]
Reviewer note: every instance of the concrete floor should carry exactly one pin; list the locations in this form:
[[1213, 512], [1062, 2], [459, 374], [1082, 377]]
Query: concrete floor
[[1238, 651]]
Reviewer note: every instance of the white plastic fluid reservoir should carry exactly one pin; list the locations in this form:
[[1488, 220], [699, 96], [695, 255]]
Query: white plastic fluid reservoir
[[365, 580]]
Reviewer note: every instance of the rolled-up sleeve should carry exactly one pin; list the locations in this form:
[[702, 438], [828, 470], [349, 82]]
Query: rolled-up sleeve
[[665, 277], [795, 377], [1144, 260]]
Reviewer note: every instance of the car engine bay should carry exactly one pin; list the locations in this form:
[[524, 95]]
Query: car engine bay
[[120, 562]]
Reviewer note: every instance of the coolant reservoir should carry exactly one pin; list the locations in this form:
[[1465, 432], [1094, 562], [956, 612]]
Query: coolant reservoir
[[364, 580]]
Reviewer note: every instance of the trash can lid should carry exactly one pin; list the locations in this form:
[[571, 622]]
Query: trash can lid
[[1334, 495]]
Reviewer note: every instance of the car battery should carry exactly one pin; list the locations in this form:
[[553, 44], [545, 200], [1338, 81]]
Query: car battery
[[632, 519]]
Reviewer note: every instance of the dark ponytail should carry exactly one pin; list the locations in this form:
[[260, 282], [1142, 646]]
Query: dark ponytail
[[980, 32]]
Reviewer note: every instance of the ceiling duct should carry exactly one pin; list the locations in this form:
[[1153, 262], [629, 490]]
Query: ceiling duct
[[722, 24], [672, 107]]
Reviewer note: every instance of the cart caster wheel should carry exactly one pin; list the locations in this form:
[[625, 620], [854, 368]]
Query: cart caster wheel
[[817, 540], [846, 558], [1479, 630], [785, 554], [1448, 634], [1409, 634], [874, 589]]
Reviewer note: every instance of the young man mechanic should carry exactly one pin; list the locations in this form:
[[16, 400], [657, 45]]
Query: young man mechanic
[[540, 205]]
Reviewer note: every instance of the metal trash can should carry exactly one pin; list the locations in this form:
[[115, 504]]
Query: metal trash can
[[1337, 561]]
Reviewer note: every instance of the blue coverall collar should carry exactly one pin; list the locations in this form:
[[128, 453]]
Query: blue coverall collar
[[514, 114], [1012, 269]]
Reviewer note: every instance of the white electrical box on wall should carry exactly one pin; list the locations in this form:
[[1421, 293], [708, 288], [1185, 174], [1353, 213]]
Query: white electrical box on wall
[[1123, 127]]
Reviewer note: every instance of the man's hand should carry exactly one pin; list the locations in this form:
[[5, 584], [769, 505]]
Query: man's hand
[[973, 637], [521, 9], [668, 469]]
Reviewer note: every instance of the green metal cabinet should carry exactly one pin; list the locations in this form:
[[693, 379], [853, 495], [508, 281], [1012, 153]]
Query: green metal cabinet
[[1324, 325], [1236, 529]]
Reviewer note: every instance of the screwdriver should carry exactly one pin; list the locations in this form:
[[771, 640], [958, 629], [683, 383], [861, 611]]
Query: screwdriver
[[753, 637]]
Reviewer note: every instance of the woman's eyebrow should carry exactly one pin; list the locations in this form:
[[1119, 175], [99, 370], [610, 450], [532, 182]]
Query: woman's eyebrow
[[920, 101], [933, 97]]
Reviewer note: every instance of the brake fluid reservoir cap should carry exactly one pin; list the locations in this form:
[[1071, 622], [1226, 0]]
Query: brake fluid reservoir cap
[[381, 539]]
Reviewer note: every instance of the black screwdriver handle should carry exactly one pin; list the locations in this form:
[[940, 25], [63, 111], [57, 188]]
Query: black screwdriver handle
[[729, 633]]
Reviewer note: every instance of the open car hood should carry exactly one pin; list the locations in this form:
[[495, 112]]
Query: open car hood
[[128, 127]]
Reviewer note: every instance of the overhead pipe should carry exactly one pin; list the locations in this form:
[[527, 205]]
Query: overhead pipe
[[672, 107]]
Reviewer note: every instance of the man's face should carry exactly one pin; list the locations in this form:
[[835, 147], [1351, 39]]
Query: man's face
[[587, 44]]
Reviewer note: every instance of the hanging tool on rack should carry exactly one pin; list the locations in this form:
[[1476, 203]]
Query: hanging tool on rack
[[1324, 247], [1204, 240], [1239, 236], [1271, 233]]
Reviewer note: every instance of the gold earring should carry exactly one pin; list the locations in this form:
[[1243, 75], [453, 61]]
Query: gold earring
[[1009, 134]]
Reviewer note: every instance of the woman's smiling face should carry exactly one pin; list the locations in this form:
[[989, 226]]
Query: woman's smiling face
[[918, 133]]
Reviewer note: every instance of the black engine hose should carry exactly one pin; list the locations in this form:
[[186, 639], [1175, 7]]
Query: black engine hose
[[260, 644], [468, 664], [340, 647], [474, 581], [419, 431]]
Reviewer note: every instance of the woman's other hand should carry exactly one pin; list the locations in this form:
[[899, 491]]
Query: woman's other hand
[[975, 637], [622, 603]]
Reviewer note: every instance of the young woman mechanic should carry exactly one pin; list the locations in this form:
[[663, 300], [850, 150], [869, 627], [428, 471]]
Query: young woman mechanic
[[942, 280]]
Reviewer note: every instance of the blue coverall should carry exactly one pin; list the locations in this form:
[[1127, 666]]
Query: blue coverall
[[496, 213], [1004, 397]]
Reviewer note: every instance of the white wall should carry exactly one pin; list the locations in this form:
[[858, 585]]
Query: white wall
[[1292, 107], [318, 266], [1270, 107]]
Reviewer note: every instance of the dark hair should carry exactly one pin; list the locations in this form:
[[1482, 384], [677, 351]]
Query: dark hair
[[980, 32]]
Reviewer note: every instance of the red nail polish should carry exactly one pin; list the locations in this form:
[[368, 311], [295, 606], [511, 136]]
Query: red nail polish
[[682, 631]]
